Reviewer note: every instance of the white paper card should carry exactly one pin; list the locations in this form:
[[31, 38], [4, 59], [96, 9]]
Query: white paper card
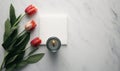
[[53, 25]]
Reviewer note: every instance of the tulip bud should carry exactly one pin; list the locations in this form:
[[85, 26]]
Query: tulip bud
[[31, 10], [36, 42], [30, 25]]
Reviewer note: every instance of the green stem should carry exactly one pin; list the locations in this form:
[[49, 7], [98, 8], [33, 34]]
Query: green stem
[[21, 32], [18, 20], [27, 48]]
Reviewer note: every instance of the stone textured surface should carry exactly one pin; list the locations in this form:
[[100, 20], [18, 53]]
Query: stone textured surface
[[93, 34]]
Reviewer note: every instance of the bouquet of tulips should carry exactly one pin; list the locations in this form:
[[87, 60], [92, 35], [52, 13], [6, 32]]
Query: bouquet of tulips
[[15, 43]]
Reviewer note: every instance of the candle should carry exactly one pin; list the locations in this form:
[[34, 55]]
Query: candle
[[53, 44]]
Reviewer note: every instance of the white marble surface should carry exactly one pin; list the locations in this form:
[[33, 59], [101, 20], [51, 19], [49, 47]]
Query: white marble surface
[[93, 34]]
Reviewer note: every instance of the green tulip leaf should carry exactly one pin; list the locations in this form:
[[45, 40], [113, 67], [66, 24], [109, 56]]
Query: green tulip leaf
[[32, 59], [21, 64], [9, 39], [35, 58], [12, 15], [7, 29]]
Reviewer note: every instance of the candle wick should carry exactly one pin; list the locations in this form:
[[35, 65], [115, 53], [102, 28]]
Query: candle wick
[[53, 43]]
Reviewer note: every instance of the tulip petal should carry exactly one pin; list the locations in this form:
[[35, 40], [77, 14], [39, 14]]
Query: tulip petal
[[31, 10]]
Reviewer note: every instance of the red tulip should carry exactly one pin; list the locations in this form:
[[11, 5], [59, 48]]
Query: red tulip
[[30, 25], [36, 42], [31, 10]]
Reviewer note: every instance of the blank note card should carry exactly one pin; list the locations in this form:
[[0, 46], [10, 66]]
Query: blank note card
[[53, 25]]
